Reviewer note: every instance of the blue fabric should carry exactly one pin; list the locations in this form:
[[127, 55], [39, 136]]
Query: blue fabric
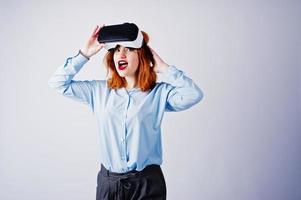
[[129, 121]]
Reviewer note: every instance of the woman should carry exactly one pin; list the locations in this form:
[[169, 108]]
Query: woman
[[129, 107]]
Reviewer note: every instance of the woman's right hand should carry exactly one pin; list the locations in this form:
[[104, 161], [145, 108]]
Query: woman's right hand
[[93, 46]]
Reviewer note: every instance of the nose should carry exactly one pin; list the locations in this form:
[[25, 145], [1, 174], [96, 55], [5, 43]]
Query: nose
[[122, 53]]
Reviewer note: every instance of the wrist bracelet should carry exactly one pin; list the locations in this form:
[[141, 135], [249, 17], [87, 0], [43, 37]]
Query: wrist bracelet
[[84, 55]]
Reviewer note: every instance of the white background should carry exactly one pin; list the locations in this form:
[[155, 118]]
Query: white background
[[241, 142]]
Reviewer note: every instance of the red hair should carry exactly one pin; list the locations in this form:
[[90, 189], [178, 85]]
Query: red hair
[[145, 76]]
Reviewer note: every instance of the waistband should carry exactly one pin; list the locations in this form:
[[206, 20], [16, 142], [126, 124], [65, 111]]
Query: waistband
[[133, 173]]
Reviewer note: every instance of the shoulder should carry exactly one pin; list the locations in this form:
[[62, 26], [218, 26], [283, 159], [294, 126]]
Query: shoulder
[[94, 83], [99, 84], [162, 87]]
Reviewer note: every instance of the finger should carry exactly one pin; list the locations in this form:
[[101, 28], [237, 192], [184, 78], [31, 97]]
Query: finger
[[100, 46], [95, 30], [102, 25], [150, 48], [153, 51], [98, 29]]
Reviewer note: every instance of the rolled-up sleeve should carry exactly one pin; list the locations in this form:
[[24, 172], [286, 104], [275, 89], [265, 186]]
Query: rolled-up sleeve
[[183, 93]]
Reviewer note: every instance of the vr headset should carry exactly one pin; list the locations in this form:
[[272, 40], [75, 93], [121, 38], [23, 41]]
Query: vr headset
[[126, 34]]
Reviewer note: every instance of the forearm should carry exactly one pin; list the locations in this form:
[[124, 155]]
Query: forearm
[[63, 75], [184, 92]]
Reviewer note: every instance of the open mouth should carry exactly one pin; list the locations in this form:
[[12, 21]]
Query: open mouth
[[122, 64]]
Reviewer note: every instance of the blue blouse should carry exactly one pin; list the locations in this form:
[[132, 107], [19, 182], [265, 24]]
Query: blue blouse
[[129, 121]]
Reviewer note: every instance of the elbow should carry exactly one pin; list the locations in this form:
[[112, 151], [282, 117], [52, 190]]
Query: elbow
[[199, 95], [57, 86], [192, 99], [51, 84], [196, 95]]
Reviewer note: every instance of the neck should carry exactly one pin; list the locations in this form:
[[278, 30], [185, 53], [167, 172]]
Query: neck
[[131, 82]]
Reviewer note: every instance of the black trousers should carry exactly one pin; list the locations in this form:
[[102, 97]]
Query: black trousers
[[148, 184]]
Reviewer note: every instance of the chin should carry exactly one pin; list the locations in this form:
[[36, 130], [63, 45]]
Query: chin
[[122, 74]]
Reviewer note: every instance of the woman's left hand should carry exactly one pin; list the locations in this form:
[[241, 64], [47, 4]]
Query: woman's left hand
[[159, 66]]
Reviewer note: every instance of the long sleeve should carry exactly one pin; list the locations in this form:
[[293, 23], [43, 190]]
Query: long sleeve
[[62, 80], [183, 92]]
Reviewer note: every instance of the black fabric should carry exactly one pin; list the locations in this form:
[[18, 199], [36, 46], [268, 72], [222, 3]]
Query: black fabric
[[148, 184]]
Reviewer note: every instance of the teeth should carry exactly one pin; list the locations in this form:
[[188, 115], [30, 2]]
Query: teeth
[[122, 62]]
